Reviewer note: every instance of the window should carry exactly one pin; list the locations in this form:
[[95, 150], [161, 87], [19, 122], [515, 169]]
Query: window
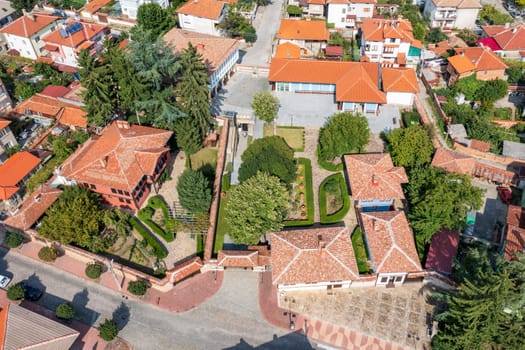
[[91, 186], [126, 193], [120, 192], [113, 190], [384, 279], [366, 9], [343, 11], [37, 38], [342, 19], [128, 201], [121, 200], [399, 279]]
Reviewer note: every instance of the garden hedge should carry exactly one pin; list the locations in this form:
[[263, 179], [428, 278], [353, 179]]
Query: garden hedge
[[328, 165], [307, 164], [340, 214], [160, 251], [145, 215]]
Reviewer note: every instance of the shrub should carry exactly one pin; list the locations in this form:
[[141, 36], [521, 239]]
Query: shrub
[[138, 287], [327, 186], [13, 239], [93, 270], [411, 118], [48, 254], [159, 250], [108, 330], [65, 311], [225, 186], [145, 215], [15, 292], [294, 10], [309, 195]]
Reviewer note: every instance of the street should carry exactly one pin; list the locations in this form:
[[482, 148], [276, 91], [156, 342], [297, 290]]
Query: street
[[229, 320]]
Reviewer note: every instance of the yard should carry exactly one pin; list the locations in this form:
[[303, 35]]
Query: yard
[[334, 201], [293, 135], [301, 202], [360, 251], [204, 158]]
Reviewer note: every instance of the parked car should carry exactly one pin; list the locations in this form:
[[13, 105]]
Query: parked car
[[505, 194], [31, 293], [4, 281]]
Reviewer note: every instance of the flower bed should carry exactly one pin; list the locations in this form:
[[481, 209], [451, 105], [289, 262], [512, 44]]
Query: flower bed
[[340, 195], [301, 208], [160, 251]]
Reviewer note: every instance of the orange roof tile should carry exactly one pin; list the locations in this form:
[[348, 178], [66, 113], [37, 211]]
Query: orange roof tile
[[461, 64], [33, 208], [492, 30], [88, 32], [51, 107], [481, 58], [211, 9], [373, 176], [303, 30], [401, 58], [119, 157], [3, 323], [215, 50], [360, 84], [26, 27], [238, 258], [508, 38], [375, 29], [73, 116], [515, 240], [95, 5], [312, 255], [478, 145], [288, 50], [4, 123], [15, 169], [316, 2], [55, 91], [391, 242], [399, 80], [453, 162]]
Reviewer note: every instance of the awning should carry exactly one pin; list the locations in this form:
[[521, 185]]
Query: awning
[[414, 51], [51, 47]]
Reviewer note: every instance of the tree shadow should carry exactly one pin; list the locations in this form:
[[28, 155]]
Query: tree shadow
[[286, 342], [34, 281], [209, 173], [121, 315]]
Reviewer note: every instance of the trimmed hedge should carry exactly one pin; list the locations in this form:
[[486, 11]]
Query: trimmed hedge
[[13, 239], [94, 270], [340, 214], [160, 251], [145, 215], [307, 164], [48, 254], [328, 165]]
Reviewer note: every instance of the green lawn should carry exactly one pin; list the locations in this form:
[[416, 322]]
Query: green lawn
[[206, 156], [309, 196], [331, 218], [222, 224], [360, 251], [293, 135]]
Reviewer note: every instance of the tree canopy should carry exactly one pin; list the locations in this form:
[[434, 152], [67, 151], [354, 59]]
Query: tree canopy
[[152, 17], [435, 35], [20, 5], [410, 147], [265, 106], [255, 207], [490, 15], [235, 25], [194, 191], [271, 155], [344, 133]]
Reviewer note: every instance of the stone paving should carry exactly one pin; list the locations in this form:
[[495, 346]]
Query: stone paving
[[399, 315]]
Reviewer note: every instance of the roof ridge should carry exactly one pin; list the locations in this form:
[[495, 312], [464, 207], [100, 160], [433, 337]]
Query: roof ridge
[[297, 254], [337, 259]]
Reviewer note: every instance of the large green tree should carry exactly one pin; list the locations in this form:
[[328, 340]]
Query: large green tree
[[194, 191], [192, 90], [410, 147], [271, 155], [256, 207], [20, 5], [344, 133], [77, 217], [490, 15], [154, 18], [235, 25], [189, 138], [265, 106]]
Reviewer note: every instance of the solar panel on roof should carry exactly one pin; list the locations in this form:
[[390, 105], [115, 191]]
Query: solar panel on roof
[[73, 28]]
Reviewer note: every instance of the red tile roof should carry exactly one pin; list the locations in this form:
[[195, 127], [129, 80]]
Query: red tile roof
[[26, 27], [303, 30], [119, 158], [453, 162], [483, 59], [375, 29], [210, 9], [51, 107], [33, 208], [312, 255], [73, 116], [373, 177], [88, 32], [334, 50], [461, 64], [355, 81], [443, 251], [510, 38], [391, 242], [55, 91], [238, 258], [95, 5], [399, 80], [4, 123], [18, 166], [515, 240], [288, 50], [478, 145]]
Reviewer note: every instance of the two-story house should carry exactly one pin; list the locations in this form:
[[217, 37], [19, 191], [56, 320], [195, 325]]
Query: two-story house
[[449, 14], [504, 40], [348, 14], [65, 43], [130, 8], [7, 15], [122, 164], [311, 36], [25, 34], [14, 172], [400, 86], [7, 139], [481, 61], [202, 16], [219, 54], [390, 42]]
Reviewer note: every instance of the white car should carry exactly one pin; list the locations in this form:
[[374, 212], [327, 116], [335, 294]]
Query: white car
[[4, 281]]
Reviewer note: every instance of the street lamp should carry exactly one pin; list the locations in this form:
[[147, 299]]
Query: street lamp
[[291, 318]]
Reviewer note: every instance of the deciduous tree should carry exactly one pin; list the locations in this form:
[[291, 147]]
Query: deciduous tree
[[20, 5], [265, 106], [194, 191], [108, 330], [153, 17], [410, 147], [256, 207]]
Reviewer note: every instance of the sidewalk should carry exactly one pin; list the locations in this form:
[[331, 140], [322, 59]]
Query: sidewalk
[[317, 330], [182, 297]]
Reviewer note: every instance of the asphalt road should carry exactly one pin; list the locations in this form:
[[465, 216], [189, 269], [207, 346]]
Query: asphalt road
[[229, 320]]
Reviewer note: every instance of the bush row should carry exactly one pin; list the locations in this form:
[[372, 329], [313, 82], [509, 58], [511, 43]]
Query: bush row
[[145, 215], [307, 164], [160, 251], [339, 215], [328, 165]]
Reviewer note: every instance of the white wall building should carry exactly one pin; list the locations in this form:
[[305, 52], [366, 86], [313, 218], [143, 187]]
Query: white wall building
[[345, 13], [202, 16], [130, 7], [448, 14]]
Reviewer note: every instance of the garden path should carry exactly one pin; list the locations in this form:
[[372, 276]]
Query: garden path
[[318, 173]]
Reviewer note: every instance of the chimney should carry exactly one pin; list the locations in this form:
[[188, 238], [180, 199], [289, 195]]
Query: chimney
[[320, 245], [374, 181], [514, 30], [200, 47], [122, 124], [28, 15], [507, 25], [37, 198], [104, 161]]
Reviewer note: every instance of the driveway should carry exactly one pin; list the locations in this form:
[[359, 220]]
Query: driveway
[[266, 23], [492, 211], [230, 319]]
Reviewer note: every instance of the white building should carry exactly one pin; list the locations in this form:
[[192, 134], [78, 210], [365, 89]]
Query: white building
[[400, 86], [390, 42], [7, 15], [65, 43], [347, 13], [202, 16], [448, 14], [131, 7], [24, 34]]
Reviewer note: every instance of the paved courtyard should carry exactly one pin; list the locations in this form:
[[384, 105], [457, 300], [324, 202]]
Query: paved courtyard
[[400, 315], [492, 211]]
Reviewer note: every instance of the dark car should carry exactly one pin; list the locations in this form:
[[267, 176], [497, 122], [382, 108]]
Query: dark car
[[505, 194], [31, 293]]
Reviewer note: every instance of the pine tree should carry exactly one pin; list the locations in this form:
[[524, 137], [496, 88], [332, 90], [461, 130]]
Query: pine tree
[[194, 191], [188, 136]]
